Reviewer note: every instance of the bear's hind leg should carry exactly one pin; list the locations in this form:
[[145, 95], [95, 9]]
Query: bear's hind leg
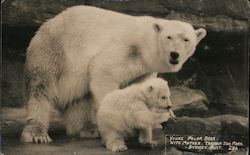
[[37, 123], [77, 118], [90, 129]]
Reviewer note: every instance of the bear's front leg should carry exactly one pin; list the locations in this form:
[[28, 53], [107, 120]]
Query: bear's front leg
[[37, 122], [99, 87]]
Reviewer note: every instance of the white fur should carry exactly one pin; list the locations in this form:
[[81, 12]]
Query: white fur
[[122, 111], [93, 46], [101, 38]]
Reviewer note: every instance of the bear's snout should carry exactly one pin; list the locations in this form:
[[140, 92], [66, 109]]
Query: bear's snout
[[168, 107], [174, 57]]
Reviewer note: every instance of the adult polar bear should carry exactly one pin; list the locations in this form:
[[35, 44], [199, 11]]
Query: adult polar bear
[[85, 52]]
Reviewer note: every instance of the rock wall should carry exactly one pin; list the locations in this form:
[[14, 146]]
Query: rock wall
[[216, 15]]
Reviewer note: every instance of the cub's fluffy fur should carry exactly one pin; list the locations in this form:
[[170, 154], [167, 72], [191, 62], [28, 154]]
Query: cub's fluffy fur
[[122, 111]]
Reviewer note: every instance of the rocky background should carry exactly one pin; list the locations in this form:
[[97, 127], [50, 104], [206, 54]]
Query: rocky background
[[212, 85]]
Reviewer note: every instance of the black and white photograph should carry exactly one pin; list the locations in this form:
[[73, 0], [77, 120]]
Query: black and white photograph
[[126, 77]]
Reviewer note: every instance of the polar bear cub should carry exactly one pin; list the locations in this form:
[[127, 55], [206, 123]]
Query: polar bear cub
[[124, 110]]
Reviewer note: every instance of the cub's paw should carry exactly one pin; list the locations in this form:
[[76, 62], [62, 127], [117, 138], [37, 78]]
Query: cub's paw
[[164, 117], [117, 146], [35, 137]]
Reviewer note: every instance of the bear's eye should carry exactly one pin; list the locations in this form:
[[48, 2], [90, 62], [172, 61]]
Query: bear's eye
[[163, 97], [186, 40], [169, 37]]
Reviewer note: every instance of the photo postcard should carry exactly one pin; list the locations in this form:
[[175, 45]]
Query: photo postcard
[[129, 77]]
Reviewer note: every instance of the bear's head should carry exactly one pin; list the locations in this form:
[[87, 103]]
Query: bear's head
[[157, 93], [176, 42]]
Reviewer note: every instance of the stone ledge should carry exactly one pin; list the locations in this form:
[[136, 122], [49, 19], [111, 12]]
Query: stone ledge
[[217, 125], [188, 102], [227, 128]]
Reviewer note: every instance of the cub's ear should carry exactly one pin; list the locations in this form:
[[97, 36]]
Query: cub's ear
[[157, 27], [150, 88], [200, 34]]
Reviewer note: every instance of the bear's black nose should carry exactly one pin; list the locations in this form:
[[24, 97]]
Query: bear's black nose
[[168, 107], [174, 55]]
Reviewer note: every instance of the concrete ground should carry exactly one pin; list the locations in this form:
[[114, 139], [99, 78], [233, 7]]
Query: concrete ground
[[63, 145], [12, 123]]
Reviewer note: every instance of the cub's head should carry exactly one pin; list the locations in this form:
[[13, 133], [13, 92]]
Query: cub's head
[[176, 42], [157, 93]]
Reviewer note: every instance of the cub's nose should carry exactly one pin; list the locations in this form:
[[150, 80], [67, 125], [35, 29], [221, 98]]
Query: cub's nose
[[174, 55]]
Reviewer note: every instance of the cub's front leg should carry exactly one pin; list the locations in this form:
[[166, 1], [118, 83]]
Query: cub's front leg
[[146, 137], [161, 117], [146, 134], [144, 120]]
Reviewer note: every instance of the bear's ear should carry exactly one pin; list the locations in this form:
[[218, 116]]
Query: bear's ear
[[150, 88], [200, 34], [157, 27]]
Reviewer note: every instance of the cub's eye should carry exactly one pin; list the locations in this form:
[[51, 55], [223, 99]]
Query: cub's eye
[[163, 97], [186, 40], [169, 37]]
